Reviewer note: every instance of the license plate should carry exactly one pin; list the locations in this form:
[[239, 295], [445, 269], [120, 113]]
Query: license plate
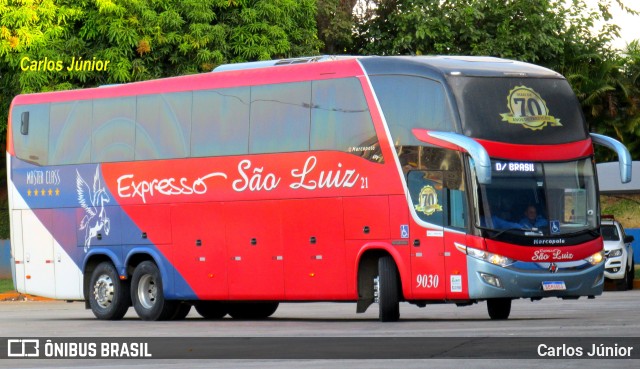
[[554, 286]]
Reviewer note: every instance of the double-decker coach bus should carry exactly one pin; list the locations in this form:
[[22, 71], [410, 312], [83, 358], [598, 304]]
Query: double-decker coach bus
[[364, 179]]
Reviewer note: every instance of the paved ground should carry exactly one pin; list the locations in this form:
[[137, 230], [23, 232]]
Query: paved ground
[[614, 314]]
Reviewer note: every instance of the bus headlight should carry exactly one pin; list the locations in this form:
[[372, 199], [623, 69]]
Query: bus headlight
[[596, 258], [489, 257]]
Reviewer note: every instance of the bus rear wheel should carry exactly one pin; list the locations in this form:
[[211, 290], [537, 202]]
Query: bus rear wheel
[[108, 295], [212, 310], [387, 290], [499, 309], [148, 296], [181, 312], [252, 310]]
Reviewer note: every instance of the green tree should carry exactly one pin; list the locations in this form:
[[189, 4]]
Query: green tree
[[144, 39], [533, 30], [609, 90], [335, 20]]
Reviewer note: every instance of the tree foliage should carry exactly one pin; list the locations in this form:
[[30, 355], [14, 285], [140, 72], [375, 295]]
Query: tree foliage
[[335, 20], [144, 39]]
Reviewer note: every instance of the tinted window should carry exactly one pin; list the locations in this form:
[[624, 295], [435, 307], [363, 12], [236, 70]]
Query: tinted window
[[610, 233], [340, 118], [220, 122], [33, 146], [435, 178], [70, 132], [519, 110], [280, 118], [412, 102], [163, 126], [113, 134]]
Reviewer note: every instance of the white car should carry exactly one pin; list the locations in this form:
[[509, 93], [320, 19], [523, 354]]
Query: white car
[[619, 254]]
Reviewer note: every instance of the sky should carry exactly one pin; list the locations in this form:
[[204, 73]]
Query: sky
[[629, 24]]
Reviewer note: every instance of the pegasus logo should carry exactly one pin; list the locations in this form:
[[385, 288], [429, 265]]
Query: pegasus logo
[[95, 218]]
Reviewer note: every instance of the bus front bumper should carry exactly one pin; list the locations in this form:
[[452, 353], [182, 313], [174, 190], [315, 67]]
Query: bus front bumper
[[529, 280]]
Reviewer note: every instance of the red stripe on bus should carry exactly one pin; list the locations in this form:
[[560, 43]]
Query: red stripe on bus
[[560, 152], [204, 81]]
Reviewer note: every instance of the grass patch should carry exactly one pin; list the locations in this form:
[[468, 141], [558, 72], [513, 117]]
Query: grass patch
[[6, 285], [626, 208]]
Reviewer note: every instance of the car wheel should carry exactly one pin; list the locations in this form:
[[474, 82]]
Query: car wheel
[[630, 275]]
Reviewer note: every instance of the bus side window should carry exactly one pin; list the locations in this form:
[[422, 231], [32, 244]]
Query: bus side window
[[220, 122], [113, 136], [410, 102], [70, 132], [280, 118], [340, 119], [163, 124], [457, 208], [427, 198], [33, 146]]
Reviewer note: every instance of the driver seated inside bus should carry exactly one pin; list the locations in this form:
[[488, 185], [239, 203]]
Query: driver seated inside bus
[[531, 218], [499, 223]]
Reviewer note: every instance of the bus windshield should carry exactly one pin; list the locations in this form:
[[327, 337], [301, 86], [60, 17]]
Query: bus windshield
[[539, 199]]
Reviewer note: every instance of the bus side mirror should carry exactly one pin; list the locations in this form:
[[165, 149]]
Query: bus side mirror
[[481, 160], [628, 239], [624, 158], [24, 123]]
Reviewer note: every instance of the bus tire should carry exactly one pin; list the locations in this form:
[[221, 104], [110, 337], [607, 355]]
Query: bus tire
[[252, 310], [147, 294], [182, 311], [108, 295], [630, 275], [388, 290], [212, 310], [499, 309]]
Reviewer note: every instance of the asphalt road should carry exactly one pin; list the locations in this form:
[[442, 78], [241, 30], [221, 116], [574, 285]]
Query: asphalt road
[[614, 314]]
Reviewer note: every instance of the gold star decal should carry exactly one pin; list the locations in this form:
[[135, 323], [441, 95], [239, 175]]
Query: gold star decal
[[50, 192], [42, 192], [57, 192], [35, 192], [29, 193]]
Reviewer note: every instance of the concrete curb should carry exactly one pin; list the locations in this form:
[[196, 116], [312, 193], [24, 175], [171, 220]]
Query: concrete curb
[[16, 296]]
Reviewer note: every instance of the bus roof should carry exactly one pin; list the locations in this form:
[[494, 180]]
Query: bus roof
[[477, 66], [304, 69]]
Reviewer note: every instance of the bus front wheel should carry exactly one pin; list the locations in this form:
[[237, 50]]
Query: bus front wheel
[[499, 309], [387, 290], [108, 295], [148, 296]]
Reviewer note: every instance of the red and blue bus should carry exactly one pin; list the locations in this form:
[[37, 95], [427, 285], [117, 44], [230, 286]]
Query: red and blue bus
[[364, 179]]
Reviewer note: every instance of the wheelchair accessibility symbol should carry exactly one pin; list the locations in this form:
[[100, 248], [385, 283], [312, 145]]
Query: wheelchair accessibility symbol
[[404, 231], [555, 226]]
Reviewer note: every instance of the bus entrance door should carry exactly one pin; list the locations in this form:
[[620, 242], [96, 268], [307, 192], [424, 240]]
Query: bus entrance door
[[427, 235]]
